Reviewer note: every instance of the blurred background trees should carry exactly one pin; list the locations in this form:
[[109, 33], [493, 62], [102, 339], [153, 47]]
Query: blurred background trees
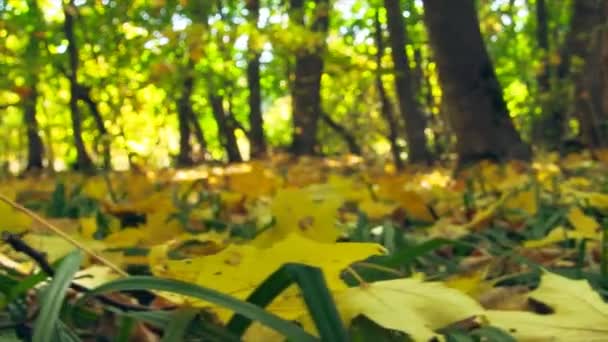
[[106, 83]]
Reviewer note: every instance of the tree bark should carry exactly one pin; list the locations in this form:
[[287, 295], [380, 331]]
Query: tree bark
[[83, 160], [198, 134], [225, 128], [386, 107], [306, 95], [35, 148], [591, 86], [256, 122], [184, 117], [415, 122], [477, 111], [84, 94], [549, 128], [542, 39]]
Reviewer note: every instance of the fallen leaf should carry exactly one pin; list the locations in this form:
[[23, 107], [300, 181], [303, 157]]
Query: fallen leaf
[[412, 306]]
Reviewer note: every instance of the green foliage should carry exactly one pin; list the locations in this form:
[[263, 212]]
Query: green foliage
[[47, 323], [246, 309], [316, 295]]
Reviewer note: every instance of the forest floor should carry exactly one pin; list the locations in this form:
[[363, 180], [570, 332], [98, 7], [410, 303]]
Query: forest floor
[[500, 252]]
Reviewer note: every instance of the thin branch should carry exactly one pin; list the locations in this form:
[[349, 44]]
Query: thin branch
[[17, 243], [63, 235]]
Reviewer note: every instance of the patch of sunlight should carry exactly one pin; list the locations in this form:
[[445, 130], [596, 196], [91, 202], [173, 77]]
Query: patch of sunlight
[[381, 146], [516, 96], [277, 121], [132, 31], [575, 126]]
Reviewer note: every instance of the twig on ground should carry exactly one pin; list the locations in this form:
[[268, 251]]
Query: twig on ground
[[63, 235], [17, 243]]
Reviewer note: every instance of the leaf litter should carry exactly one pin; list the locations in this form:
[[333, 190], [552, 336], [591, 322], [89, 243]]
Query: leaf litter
[[525, 254]]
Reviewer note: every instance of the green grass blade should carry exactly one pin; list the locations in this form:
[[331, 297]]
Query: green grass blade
[[316, 295], [26, 284], [54, 294], [408, 255], [178, 325], [202, 329], [66, 334], [249, 310]]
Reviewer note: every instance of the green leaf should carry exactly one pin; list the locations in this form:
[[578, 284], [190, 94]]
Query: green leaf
[[125, 329], [178, 325], [52, 301], [203, 328], [316, 295], [65, 333], [251, 311]]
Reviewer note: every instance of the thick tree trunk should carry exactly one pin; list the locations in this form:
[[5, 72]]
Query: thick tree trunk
[[386, 107], [307, 107], [415, 122], [256, 122], [184, 117], [83, 160], [477, 111], [35, 148], [226, 129]]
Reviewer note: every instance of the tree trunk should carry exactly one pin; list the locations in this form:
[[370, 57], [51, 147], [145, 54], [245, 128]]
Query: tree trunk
[[542, 39], [591, 86], [84, 94], [549, 128], [386, 107], [35, 148], [307, 107], [256, 122], [415, 122], [83, 160], [477, 111], [184, 114], [225, 128], [199, 134]]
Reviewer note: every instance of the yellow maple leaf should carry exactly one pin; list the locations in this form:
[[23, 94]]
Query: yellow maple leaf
[[96, 187], [128, 237], [524, 201], [239, 269], [556, 235], [13, 220], [375, 209], [408, 305], [598, 200], [579, 313], [585, 225], [394, 188], [254, 180], [472, 284], [310, 213]]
